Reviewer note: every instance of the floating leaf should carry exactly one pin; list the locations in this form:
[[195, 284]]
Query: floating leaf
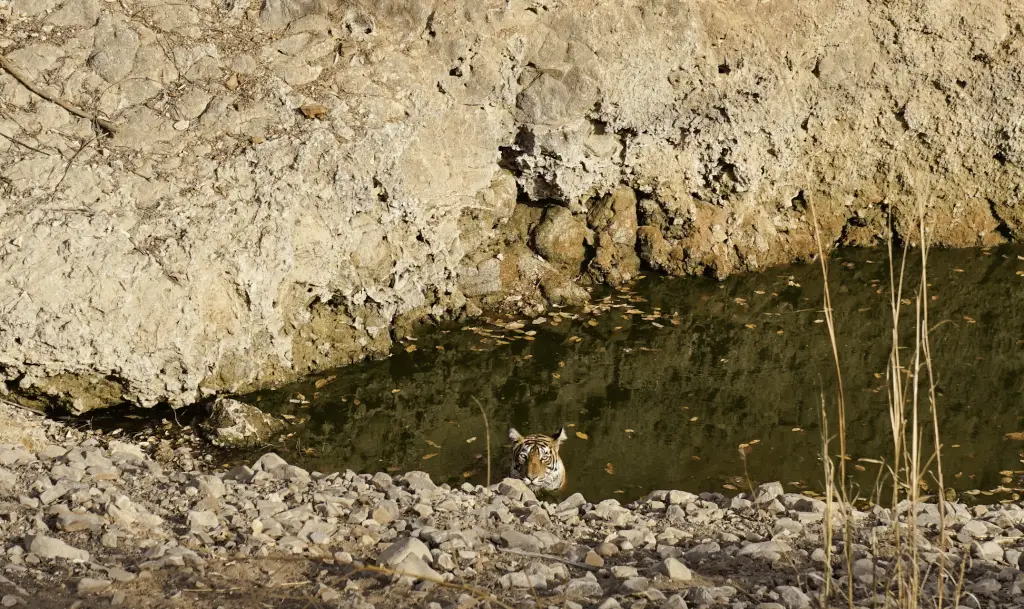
[[429, 456], [470, 440], [729, 486], [396, 391], [467, 474], [750, 326], [410, 348], [969, 319], [581, 435], [629, 431], [694, 419], [434, 444], [797, 429], [694, 458], [592, 322], [780, 332], [321, 383], [555, 375], [609, 469], [860, 468], [1015, 435]]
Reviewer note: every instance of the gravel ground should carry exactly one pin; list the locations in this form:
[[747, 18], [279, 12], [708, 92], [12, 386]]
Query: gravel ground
[[91, 521]]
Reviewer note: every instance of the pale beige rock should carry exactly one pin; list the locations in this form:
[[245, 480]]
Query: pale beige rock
[[258, 245]]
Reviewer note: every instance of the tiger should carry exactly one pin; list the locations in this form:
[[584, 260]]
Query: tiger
[[535, 460]]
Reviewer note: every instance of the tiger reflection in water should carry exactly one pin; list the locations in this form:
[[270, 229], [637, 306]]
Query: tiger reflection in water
[[535, 460]]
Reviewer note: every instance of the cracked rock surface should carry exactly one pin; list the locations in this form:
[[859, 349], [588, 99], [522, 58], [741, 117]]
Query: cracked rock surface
[[467, 154]]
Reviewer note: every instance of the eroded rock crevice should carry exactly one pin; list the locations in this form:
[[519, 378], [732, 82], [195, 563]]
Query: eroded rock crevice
[[452, 158]]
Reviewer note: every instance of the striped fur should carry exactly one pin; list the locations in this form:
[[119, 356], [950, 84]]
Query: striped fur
[[535, 460]]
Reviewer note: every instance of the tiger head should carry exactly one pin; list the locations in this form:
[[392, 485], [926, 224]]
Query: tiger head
[[535, 460]]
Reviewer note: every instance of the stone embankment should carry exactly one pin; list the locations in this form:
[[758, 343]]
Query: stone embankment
[[287, 185], [85, 518]]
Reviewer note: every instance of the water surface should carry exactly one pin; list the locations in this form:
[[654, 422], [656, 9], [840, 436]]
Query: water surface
[[658, 385]]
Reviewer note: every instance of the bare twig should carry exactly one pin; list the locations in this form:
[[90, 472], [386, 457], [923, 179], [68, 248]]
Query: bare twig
[[67, 167], [15, 140], [564, 561], [487, 428], [100, 122]]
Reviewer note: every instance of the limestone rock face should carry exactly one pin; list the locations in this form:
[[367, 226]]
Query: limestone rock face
[[223, 239]]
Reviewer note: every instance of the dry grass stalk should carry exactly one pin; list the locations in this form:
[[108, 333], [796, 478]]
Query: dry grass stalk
[[911, 462]]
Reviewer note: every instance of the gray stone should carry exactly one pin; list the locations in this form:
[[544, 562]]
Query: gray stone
[[89, 585], [609, 603], [269, 462], [520, 541], [419, 481], [792, 597], [582, 587], [767, 492], [674, 602], [386, 512], [767, 550], [414, 566], [235, 424], [516, 490], [635, 585], [9, 600], [202, 520], [50, 548], [624, 571], [674, 570], [988, 550], [559, 237], [975, 529], [72, 522], [398, 551]]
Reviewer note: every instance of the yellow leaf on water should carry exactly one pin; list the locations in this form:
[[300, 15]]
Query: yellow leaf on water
[[750, 326], [628, 431], [694, 458], [729, 486], [1015, 435], [561, 364], [969, 319], [797, 429], [860, 468], [429, 456], [958, 270], [592, 322], [581, 435], [396, 391], [609, 469], [753, 442], [556, 375], [410, 348], [693, 419], [470, 440], [618, 492], [467, 474], [780, 332], [434, 444]]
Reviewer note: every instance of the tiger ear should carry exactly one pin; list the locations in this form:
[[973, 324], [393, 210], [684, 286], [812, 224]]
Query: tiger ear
[[514, 435], [560, 436]]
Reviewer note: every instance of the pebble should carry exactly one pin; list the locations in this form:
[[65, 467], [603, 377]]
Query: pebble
[[674, 570], [398, 551], [50, 548], [641, 552], [89, 585]]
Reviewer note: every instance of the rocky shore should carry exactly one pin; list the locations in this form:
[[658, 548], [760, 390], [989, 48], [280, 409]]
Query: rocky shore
[[93, 521]]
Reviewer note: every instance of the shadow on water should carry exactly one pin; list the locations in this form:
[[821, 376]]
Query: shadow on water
[[658, 386]]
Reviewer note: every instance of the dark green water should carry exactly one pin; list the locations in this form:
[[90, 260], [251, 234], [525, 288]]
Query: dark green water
[[666, 380]]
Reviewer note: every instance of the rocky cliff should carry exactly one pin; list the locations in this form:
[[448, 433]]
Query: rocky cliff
[[288, 184]]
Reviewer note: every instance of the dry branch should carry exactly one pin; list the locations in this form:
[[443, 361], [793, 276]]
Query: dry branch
[[100, 122]]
